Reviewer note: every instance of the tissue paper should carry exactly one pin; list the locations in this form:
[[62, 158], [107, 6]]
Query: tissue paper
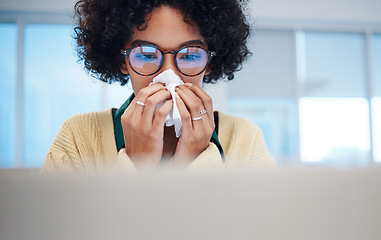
[[171, 81]]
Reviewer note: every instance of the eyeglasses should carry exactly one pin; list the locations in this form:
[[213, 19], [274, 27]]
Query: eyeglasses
[[147, 60]]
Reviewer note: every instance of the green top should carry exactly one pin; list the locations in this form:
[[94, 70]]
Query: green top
[[118, 130]]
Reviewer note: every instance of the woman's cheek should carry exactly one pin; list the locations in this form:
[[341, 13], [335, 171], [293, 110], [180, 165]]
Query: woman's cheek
[[139, 82], [194, 80]]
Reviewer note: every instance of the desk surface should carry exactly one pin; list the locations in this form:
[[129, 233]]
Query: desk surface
[[292, 204]]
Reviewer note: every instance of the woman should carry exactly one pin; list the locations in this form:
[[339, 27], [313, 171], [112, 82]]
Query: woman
[[200, 41]]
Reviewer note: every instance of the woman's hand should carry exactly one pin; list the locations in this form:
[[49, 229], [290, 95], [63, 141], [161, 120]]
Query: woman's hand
[[143, 130], [195, 134]]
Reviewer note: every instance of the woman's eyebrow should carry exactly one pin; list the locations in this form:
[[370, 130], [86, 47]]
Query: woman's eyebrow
[[192, 42], [142, 42], [187, 43]]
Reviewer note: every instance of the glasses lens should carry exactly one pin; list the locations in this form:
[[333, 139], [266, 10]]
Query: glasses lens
[[145, 59], [192, 60]]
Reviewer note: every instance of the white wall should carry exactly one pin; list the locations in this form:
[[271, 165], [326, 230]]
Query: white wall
[[320, 10], [365, 11]]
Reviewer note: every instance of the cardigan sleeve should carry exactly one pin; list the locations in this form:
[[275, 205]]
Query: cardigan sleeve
[[260, 156], [124, 162], [64, 154], [76, 147], [56, 162], [209, 159]]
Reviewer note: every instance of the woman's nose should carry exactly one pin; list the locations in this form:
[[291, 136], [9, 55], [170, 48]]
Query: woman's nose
[[169, 63]]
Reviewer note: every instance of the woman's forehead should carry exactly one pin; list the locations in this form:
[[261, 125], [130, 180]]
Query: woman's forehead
[[167, 29]]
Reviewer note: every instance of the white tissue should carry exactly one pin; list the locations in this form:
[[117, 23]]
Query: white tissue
[[171, 81]]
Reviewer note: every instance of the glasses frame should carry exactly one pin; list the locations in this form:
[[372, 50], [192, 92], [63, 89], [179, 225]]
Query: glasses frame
[[126, 53]]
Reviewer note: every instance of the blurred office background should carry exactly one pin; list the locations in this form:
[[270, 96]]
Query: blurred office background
[[313, 84]]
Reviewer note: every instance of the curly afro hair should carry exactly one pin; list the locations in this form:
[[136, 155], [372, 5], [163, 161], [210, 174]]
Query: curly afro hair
[[104, 26]]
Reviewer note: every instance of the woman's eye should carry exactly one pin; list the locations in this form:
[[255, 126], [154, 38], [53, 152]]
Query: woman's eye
[[190, 57], [147, 56]]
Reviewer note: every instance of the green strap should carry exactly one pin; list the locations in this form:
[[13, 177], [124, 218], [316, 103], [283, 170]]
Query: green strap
[[118, 129]]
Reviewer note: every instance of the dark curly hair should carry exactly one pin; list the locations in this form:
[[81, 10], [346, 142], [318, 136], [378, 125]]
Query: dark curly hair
[[104, 26]]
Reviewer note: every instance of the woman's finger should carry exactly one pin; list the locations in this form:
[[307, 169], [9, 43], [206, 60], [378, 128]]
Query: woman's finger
[[138, 104], [192, 102], [161, 114], [205, 98], [195, 134], [151, 104], [185, 115]]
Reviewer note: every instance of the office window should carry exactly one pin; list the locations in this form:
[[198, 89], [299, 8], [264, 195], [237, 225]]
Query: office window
[[376, 101], [334, 117], [270, 71], [334, 130], [8, 63], [277, 119], [56, 87], [335, 65], [376, 108], [264, 92], [115, 94]]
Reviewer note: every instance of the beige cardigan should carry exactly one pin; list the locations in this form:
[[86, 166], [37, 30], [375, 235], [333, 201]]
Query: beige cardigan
[[86, 142]]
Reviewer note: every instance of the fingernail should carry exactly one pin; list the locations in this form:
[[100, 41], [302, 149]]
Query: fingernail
[[188, 84]]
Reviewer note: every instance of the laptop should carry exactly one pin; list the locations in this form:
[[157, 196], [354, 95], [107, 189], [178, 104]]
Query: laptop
[[282, 204]]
